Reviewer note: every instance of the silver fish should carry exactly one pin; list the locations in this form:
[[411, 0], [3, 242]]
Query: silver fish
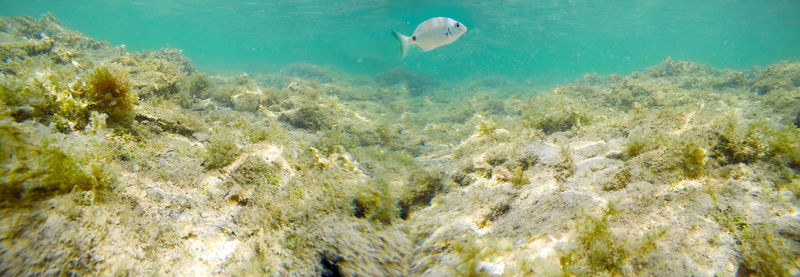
[[432, 33]]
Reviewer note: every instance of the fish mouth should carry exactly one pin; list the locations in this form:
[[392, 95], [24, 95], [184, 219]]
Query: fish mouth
[[451, 33], [462, 33]]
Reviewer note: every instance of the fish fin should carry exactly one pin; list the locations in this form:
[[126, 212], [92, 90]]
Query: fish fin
[[405, 42]]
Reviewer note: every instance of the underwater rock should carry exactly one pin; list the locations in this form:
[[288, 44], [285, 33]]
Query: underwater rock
[[463, 179], [589, 149], [547, 154], [256, 169], [157, 72], [176, 199], [782, 76], [312, 117], [729, 79], [10, 48], [169, 117], [38, 162], [615, 154], [246, 100], [24, 37], [45, 72], [597, 168], [671, 68], [221, 150], [165, 125], [552, 119], [198, 85]]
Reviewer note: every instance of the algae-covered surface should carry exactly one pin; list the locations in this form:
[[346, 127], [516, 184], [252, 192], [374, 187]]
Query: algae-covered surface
[[136, 163]]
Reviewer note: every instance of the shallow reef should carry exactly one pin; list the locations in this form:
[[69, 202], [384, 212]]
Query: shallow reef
[[136, 163]]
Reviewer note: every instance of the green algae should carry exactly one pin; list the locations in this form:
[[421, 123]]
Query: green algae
[[376, 203], [781, 76], [552, 113], [598, 250], [784, 150], [640, 141], [424, 187], [739, 143], [692, 158], [519, 178], [37, 163], [261, 130], [198, 85], [310, 116], [221, 150], [766, 253], [619, 181], [470, 255]]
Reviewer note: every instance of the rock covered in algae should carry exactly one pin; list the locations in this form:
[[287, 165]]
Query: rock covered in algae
[[312, 182]]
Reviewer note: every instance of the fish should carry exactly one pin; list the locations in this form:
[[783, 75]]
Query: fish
[[431, 34]]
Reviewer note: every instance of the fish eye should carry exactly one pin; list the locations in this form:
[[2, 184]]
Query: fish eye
[[458, 25]]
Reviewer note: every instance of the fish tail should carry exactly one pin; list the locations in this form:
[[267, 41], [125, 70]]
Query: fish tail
[[405, 42]]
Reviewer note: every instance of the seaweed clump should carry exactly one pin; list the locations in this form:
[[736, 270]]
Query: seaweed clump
[[111, 93], [640, 141], [784, 151], [375, 202], [692, 159], [738, 144], [471, 254], [157, 73], [619, 181], [747, 143], [597, 249], [766, 253], [311, 117], [554, 114], [221, 150]]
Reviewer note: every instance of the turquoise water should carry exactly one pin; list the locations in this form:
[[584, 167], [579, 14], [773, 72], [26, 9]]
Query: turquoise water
[[541, 42]]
